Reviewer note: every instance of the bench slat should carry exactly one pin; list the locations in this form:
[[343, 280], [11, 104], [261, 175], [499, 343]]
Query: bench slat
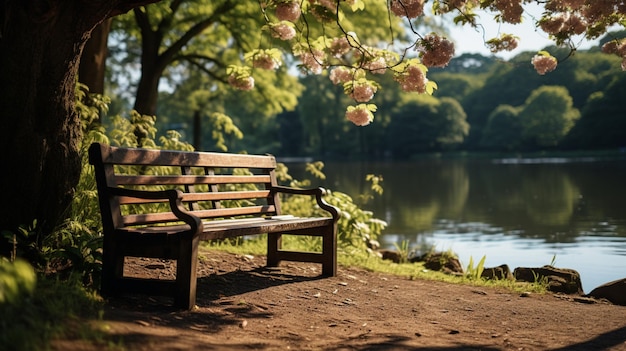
[[191, 197], [190, 179], [165, 217], [134, 156]]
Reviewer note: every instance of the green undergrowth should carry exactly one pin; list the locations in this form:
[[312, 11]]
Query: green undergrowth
[[53, 309]]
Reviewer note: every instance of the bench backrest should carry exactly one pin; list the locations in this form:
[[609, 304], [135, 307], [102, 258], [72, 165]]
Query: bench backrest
[[215, 185]]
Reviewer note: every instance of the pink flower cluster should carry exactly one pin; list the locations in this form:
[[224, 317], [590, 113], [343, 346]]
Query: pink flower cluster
[[569, 17], [313, 60], [340, 75], [377, 65], [618, 48], [363, 92], [241, 82], [264, 61], [436, 51], [412, 79], [566, 23], [359, 115], [339, 47], [288, 11], [282, 30], [511, 10], [505, 42], [408, 8], [544, 63]]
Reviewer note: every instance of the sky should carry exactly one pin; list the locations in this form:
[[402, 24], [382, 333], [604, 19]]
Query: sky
[[470, 40]]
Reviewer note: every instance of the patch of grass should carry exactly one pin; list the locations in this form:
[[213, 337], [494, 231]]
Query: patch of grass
[[362, 259], [55, 309]]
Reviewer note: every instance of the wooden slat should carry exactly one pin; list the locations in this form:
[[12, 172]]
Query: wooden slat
[[190, 179], [165, 217], [149, 218], [126, 200], [131, 156], [226, 195], [232, 212], [187, 197]]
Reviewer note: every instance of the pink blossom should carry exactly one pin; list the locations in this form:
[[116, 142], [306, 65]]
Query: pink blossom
[[544, 64], [340, 75], [377, 65], [408, 8], [505, 42], [282, 31], [313, 60], [363, 92], [340, 46], [359, 115], [436, 51], [412, 79], [511, 10], [241, 83], [265, 62], [610, 47], [288, 11]]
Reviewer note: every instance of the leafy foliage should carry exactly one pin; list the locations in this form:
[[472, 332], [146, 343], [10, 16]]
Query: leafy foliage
[[547, 116]]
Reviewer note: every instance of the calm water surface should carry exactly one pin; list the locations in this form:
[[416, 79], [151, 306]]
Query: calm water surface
[[520, 212]]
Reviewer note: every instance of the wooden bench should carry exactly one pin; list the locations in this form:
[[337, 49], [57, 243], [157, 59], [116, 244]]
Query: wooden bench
[[161, 204]]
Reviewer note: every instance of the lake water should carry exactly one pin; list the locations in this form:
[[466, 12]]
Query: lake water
[[520, 212]]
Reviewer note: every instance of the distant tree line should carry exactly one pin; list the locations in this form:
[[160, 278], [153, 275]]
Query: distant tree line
[[482, 104]]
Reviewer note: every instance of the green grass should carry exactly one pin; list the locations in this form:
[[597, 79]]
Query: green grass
[[54, 309], [361, 259]]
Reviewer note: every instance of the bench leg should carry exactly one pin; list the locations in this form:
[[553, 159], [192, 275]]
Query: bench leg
[[186, 274], [274, 243], [329, 250], [112, 267]]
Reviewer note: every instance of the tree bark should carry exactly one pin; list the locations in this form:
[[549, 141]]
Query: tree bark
[[41, 42], [93, 60]]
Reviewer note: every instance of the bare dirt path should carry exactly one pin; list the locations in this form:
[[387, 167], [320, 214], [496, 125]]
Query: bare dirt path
[[244, 306]]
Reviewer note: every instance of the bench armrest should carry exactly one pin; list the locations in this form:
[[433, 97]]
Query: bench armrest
[[175, 198], [317, 192]]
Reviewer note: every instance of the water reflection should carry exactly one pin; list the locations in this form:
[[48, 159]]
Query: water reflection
[[520, 213]]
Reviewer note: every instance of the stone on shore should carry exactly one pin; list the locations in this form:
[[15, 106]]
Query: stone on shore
[[560, 280], [614, 291]]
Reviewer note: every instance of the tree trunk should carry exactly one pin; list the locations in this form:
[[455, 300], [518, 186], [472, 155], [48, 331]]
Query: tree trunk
[[40, 47], [152, 66], [40, 146], [92, 62], [41, 42]]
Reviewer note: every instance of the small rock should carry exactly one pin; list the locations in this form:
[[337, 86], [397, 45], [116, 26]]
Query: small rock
[[560, 280], [391, 255], [614, 291], [496, 273], [243, 324]]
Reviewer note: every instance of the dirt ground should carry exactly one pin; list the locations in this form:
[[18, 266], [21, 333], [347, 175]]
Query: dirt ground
[[244, 306]]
